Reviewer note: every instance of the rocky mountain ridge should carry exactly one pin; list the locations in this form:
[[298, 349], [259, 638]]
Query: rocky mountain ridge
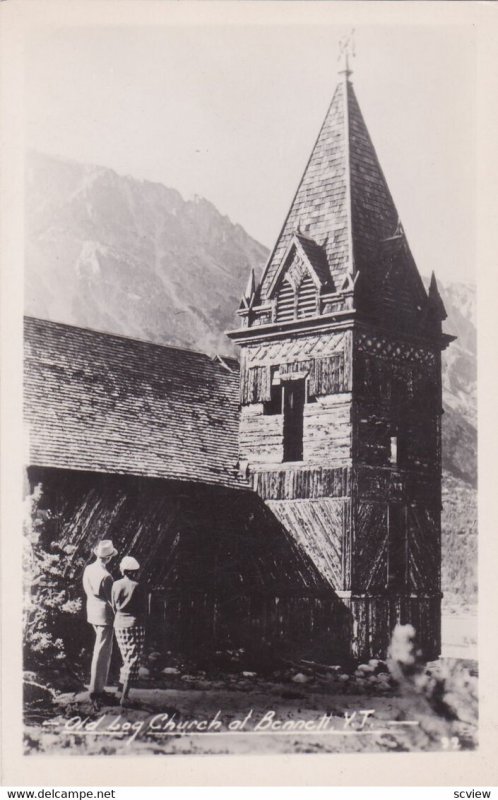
[[131, 257]]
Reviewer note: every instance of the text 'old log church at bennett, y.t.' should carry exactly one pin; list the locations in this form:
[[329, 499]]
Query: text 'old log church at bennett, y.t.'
[[292, 502]]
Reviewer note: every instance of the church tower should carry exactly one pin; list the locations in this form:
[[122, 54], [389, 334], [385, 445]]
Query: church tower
[[340, 426]]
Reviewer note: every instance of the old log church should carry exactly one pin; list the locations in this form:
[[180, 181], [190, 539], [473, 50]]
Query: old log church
[[290, 502]]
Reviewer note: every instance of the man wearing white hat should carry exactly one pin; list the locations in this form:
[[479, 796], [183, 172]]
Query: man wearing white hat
[[97, 583]]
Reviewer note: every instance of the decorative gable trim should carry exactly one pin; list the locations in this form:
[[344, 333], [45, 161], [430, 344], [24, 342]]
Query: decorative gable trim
[[295, 275]]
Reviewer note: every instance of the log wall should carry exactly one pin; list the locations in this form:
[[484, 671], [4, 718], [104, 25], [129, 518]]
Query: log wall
[[292, 626], [327, 433]]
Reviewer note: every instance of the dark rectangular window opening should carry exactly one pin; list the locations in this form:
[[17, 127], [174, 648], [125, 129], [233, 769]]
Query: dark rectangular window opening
[[294, 398], [397, 553], [274, 404]]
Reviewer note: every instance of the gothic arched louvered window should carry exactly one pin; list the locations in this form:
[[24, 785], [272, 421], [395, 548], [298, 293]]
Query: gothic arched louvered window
[[285, 302], [306, 298]]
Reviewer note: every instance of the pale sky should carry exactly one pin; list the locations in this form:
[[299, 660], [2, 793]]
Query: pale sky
[[232, 114]]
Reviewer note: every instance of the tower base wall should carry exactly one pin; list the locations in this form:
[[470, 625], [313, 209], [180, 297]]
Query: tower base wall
[[374, 619]]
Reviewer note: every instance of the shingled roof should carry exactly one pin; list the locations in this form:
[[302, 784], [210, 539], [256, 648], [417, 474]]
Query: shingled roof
[[99, 402], [343, 202]]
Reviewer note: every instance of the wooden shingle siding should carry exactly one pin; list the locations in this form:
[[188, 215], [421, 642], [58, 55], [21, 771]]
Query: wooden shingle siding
[[324, 180], [374, 215], [343, 202]]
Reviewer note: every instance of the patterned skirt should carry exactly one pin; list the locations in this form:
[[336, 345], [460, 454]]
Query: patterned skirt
[[131, 644]]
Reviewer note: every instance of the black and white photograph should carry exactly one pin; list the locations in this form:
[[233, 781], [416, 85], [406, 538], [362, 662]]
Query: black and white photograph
[[249, 388]]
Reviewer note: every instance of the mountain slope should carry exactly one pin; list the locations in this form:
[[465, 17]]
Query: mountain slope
[[460, 383], [116, 254]]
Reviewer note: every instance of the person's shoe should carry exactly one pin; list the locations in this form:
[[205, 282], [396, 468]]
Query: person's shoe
[[95, 701]]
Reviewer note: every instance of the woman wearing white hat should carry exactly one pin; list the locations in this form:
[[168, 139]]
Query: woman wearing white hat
[[129, 602]]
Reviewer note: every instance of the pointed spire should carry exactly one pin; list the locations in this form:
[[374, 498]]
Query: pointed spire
[[251, 286], [249, 296], [435, 301], [343, 200]]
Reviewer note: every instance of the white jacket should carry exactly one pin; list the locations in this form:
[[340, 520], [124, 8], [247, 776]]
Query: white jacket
[[97, 583]]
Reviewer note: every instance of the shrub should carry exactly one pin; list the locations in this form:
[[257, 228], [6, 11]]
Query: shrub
[[52, 646]]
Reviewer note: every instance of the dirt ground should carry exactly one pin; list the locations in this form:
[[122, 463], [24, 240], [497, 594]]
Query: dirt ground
[[242, 714], [289, 710]]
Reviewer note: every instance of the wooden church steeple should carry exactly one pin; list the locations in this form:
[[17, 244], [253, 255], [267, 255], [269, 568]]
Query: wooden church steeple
[[343, 233], [341, 391]]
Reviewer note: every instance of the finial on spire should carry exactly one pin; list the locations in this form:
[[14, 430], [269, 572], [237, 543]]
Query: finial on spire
[[346, 49]]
